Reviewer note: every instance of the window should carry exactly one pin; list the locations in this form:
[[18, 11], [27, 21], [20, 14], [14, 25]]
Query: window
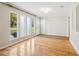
[[33, 26], [13, 25], [23, 25]]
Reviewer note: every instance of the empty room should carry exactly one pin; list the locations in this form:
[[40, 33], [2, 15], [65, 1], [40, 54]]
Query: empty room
[[39, 28]]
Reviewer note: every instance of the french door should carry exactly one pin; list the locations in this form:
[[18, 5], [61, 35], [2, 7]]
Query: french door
[[13, 26], [21, 26]]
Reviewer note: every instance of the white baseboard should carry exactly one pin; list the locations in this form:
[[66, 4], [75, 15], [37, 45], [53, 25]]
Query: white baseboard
[[56, 35], [24, 38], [77, 51]]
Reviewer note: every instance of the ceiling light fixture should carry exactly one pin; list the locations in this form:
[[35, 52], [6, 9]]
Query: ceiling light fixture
[[45, 10], [61, 6]]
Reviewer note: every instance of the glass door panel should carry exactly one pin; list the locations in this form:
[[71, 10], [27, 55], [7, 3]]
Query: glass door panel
[[23, 26], [33, 26], [29, 26], [13, 25]]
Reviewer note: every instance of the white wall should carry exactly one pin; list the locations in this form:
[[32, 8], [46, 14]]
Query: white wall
[[74, 35], [42, 26], [55, 26], [5, 25]]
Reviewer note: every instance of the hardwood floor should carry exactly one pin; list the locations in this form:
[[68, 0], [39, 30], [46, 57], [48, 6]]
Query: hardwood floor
[[41, 45]]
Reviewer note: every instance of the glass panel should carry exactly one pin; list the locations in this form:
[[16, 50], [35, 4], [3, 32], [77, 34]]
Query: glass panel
[[33, 26], [23, 26], [13, 25], [38, 26], [29, 26]]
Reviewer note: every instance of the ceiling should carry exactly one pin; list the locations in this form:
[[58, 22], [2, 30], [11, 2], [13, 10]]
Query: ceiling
[[34, 7]]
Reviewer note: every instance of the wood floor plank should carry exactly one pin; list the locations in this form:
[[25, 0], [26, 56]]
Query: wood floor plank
[[41, 45]]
